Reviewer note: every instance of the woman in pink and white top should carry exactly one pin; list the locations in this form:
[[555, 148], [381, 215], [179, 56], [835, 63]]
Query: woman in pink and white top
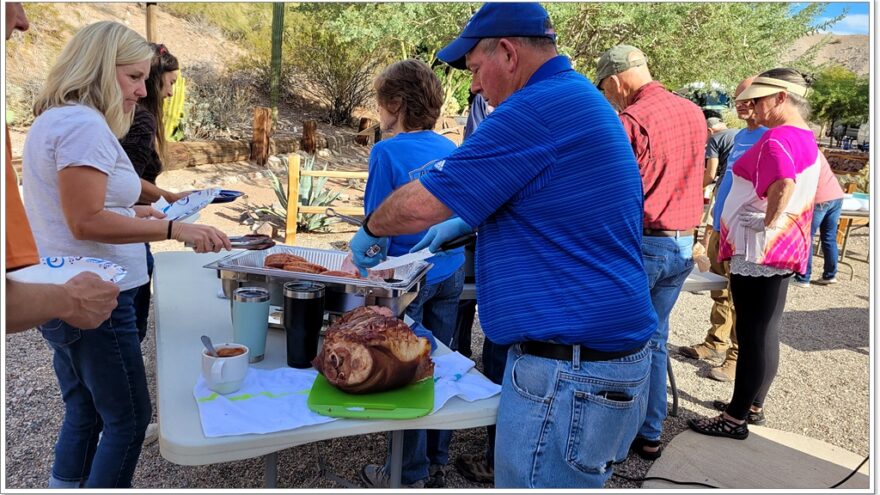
[[765, 232]]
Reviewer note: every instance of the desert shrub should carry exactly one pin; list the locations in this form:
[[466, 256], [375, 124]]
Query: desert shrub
[[338, 74], [20, 97], [259, 70], [216, 102]]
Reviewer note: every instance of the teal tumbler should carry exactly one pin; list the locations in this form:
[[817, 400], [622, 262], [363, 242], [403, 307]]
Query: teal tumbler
[[250, 320]]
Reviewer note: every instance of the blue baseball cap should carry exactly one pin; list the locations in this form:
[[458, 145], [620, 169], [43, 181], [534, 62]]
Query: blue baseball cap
[[498, 20]]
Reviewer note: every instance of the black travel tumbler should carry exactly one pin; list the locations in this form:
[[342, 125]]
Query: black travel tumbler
[[303, 318]]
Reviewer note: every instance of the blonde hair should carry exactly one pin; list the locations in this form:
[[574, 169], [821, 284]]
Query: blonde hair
[[85, 72]]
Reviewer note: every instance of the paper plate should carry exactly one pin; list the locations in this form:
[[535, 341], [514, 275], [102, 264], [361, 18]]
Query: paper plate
[[190, 204], [227, 195], [60, 269]]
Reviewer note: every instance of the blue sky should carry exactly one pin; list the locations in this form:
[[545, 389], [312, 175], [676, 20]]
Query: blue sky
[[857, 20]]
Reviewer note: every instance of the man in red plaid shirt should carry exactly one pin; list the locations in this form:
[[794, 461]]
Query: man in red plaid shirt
[[668, 135]]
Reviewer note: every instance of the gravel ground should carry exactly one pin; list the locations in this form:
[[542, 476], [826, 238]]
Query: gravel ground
[[822, 389]]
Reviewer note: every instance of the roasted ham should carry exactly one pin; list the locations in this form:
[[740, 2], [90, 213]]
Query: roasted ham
[[369, 350]]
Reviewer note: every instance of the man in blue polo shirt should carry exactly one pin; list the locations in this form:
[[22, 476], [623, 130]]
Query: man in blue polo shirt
[[558, 266]]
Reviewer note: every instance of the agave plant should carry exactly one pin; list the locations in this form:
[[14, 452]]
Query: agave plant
[[312, 192]]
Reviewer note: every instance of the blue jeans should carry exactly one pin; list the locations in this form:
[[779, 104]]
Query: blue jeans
[[142, 298], [825, 218], [668, 262], [556, 427], [435, 308], [494, 362], [104, 387]]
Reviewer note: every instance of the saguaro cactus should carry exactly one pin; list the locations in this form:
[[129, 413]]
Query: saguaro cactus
[[172, 110]]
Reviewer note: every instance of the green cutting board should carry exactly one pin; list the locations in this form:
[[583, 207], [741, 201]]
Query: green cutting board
[[412, 401]]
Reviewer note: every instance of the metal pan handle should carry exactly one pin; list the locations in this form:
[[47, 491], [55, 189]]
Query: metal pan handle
[[330, 212]]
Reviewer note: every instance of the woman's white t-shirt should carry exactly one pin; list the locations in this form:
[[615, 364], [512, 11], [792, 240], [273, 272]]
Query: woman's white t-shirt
[[78, 136]]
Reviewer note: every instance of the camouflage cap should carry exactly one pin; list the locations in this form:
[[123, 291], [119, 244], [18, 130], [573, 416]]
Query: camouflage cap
[[616, 60]]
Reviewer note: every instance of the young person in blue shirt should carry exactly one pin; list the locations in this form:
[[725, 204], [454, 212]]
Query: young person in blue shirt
[[565, 286], [409, 97]]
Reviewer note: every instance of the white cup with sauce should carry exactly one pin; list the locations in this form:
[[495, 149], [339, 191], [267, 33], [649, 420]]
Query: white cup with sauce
[[225, 373]]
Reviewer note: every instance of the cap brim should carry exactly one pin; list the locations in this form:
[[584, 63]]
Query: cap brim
[[454, 53], [758, 90]]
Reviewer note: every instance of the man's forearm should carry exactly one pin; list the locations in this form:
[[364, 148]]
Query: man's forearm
[[711, 169], [408, 210], [29, 305]]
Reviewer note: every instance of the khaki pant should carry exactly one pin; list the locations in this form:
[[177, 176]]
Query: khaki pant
[[722, 335]]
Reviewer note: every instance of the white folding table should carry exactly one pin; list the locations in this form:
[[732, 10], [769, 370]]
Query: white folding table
[[186, 307]]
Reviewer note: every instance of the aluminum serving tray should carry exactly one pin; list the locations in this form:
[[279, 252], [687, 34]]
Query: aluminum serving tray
[[342, 294]]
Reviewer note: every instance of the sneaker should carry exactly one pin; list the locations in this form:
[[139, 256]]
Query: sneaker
[[724, 373], [827, 281], [436, 476], [376, 476], [701, 351], [474, 468], [801, 283], [152, 433]]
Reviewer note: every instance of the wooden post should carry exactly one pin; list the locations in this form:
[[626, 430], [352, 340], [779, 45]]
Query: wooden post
[[262, 126], [309, 139], [364, 131], [151, 22], [293, 167]]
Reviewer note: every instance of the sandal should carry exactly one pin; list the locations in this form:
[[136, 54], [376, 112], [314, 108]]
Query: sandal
[[754, 418], [720, 427], [473, 468], [638, 446]]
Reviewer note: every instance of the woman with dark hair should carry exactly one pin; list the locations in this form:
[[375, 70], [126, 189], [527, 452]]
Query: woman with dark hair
[[145, 146], [765, 233], [409, 97]]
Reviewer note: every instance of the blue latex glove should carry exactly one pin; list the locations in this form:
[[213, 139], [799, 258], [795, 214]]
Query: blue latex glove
[[421, 331], [442, 232], [367, 251]]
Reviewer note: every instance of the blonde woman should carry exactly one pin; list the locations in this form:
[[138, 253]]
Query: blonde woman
[[80, 188]]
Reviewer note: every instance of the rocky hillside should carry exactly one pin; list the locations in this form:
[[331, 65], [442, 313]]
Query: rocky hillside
[[52, 25], [850, 51]]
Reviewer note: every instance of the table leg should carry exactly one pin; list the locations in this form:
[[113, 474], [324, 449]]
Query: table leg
[[270, 470], [396, 458], [672, 385], [845, 239]]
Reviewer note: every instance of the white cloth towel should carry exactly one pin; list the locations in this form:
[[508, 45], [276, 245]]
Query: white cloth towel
[[268, 401], [275, 400], [451, 380]]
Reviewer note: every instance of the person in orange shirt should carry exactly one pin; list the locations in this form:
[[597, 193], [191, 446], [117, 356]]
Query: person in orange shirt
[[86, 300]]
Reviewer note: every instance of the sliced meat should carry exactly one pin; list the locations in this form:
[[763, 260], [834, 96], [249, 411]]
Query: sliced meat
[[304, 267], [278, 260]]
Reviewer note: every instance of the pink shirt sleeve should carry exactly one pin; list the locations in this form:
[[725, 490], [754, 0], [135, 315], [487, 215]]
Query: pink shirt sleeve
[[775, 162], [829, 189]]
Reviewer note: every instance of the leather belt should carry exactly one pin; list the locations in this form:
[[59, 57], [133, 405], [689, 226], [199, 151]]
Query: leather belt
[[666, 233], [564, 352]]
